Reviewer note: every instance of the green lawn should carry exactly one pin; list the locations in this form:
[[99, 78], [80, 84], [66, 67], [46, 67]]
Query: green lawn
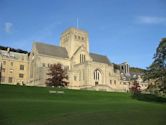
[[35, 106]]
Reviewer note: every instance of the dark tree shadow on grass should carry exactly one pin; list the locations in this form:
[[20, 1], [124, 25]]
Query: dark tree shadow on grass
[[149, 98]]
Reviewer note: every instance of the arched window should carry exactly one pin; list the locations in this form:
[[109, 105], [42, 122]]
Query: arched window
[[97, 75]]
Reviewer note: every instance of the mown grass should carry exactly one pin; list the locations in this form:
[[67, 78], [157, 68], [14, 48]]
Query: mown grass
[[36, 106]]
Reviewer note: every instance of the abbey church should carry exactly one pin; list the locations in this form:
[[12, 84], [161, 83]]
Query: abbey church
[[86, 70]]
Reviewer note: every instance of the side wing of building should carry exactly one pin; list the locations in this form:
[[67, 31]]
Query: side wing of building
[[14, 66], [41, 58]]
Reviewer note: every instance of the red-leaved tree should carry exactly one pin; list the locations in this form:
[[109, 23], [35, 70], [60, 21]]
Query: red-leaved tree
[[135, 88], [57, 76]]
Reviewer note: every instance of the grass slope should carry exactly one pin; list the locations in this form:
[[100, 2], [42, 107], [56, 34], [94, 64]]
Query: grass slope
[[35, 106]]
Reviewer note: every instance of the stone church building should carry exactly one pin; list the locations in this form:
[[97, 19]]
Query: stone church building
[[86, 70]]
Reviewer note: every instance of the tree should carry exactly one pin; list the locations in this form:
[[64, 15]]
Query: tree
[[157, 70], [135, 88], [58, 76]]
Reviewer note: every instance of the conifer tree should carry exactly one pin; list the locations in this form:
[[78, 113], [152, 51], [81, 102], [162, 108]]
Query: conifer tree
[[157, 70]]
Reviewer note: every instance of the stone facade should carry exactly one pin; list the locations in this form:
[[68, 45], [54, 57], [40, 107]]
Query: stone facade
[[85, 70], [14, 67]]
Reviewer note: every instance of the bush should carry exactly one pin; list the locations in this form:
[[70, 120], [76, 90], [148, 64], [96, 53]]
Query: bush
[[18, 84]]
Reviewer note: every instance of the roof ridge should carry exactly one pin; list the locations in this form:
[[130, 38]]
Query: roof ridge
[[97, 54], [49, 44]]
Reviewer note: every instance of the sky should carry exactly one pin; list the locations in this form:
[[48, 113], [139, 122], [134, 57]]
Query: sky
[[124, 30]]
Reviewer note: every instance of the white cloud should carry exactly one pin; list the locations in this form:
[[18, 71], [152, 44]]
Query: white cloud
[[151, 20], [8, 27]]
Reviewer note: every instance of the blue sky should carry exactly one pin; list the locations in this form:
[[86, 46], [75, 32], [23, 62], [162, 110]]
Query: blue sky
[[124, 30]]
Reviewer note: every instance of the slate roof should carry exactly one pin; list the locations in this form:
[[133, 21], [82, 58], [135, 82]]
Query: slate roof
[[57, 51], [51, 50], [99, 58]]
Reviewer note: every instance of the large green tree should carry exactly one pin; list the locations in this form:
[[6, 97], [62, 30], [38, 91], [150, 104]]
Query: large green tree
[[157, 70], [57, 76]]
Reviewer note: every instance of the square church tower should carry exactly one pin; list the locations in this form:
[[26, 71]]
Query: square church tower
[[74, 38]]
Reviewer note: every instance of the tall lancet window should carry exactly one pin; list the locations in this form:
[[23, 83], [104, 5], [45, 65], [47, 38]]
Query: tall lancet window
[[82, 58], [97, 75]]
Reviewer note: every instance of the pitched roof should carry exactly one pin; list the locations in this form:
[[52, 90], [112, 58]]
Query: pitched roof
[[99, 58], [13, 49], [51, 50]]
